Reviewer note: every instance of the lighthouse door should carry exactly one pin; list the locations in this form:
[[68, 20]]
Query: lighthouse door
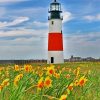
[[52, 59]]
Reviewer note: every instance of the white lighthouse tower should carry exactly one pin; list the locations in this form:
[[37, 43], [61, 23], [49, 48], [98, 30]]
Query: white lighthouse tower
[[55, 36]]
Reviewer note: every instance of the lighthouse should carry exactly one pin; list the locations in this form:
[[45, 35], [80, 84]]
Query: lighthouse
[[55, 36]]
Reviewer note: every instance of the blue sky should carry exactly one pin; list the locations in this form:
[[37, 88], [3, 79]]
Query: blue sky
[[24, 28]]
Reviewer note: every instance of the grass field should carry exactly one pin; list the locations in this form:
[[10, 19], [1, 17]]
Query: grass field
[[68, 81]]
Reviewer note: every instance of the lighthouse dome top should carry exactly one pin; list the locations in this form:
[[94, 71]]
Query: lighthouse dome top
[[55, 2], [55, 6]]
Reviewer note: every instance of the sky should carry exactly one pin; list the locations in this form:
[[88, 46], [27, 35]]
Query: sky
[[24, 28]]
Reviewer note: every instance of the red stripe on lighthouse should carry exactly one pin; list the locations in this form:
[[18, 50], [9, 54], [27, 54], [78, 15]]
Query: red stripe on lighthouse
[[55, 42]]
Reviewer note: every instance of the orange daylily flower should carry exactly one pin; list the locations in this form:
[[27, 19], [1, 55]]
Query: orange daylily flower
[[77, 71], [47, 82], [17, 68], [82, 81], [70, 87], [27, 68], [67, 76], [76, 83], [40, 84], [5, 82], [57, 75], [50, 70], [17, 78], [1, 87], [63, 97]]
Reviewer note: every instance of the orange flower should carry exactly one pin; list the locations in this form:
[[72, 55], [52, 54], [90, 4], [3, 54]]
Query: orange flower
[[82, 81], [70, 87], [28, 68], [57, 75], [77, 71], [5, 82], [47, 82], [76, 83], [16, 83], [67, 76], [17, 78], [50, 70], [40, 84], [1, 87], [1, 68], [58, 67], [63, 97], [16, 68]]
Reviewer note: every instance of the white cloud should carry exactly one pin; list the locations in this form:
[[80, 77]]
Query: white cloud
[[83, 45], [67, 16], [23, 52], [92, 17], [36, 45], [23, 47], [84, 39], [40, 24], [24, 32], [7, 1], [17, 21]]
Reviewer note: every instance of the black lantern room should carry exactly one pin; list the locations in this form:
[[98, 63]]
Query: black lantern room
[[55, 10]]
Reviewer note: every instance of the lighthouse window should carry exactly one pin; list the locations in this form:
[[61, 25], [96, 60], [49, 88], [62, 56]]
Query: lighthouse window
[[52, 22], [57, 7], [53, 7]]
